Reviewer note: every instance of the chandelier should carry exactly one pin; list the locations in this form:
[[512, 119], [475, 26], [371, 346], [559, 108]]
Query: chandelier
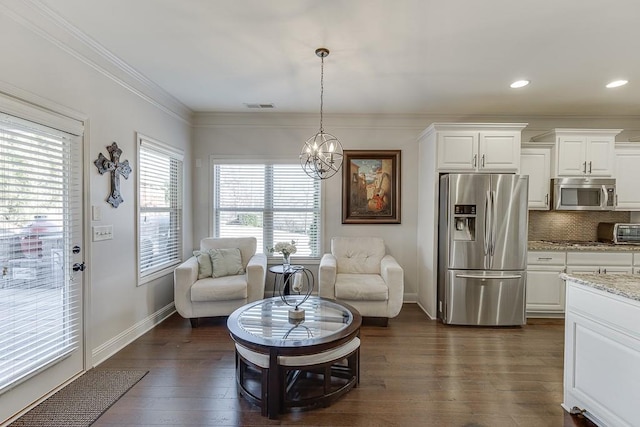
[[321, 155]]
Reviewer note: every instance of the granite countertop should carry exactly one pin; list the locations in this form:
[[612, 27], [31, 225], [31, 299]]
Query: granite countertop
[[545, 245], [625, 285]]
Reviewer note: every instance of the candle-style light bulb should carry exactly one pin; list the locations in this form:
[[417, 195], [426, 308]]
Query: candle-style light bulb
[[331, 147]]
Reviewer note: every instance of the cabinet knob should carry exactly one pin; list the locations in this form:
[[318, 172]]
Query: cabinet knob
[[546, 199], [589, 167], [483, 160], [475, 160], [584, 167]]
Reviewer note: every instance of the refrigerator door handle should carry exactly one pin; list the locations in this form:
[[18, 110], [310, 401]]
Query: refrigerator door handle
[[487, 223], [479, 276], [494, 220]]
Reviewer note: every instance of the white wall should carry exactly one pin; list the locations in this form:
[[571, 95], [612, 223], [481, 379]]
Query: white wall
[[43, 64], [282, 135]]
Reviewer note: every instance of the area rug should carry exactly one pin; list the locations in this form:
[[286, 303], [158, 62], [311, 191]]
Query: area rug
[[81, 402]]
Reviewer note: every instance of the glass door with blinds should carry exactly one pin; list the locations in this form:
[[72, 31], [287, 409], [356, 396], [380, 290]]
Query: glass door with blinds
[[41, 340]]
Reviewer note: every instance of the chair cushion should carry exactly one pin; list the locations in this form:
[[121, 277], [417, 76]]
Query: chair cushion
[[358, 254], [338, 353], [361, 287], [335, 354], [204, 264], [226, 262], [247, 245], [219, 289]]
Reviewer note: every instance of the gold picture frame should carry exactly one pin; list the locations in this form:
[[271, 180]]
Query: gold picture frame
[[371, 187]]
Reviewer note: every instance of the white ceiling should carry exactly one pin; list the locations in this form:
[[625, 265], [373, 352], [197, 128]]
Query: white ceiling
[[400, 56]]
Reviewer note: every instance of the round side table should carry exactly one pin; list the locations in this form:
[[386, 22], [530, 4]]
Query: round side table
[[279, 269]]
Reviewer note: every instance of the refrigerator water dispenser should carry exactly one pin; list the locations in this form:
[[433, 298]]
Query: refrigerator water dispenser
[[464, 221]]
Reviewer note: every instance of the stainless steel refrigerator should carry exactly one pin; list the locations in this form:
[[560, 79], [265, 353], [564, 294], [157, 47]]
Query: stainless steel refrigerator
[[482, 249]]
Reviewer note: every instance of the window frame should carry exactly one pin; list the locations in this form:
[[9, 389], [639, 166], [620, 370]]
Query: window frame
[[265, 160], [176, 154]]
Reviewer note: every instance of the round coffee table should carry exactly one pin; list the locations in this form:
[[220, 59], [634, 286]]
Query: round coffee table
[[264, 328]]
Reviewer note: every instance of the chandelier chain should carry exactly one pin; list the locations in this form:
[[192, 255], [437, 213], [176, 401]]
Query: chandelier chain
[[321, 91]]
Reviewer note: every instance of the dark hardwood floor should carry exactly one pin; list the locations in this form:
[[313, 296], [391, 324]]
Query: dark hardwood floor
[[415, 372]]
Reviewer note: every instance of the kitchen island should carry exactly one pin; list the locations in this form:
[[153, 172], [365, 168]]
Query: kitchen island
[[602, 347]]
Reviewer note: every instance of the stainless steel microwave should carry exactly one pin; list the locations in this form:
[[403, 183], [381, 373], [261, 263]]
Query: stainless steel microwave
[[584, 194]]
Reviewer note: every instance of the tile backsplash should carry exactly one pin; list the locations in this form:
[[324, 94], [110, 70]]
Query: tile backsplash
[[566, 225]]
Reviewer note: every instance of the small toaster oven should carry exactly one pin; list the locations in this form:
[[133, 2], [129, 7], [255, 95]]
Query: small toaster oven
[[619, 233]]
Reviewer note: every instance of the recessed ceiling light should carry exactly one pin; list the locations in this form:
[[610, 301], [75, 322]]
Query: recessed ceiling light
[[519, 83], [617, 83]]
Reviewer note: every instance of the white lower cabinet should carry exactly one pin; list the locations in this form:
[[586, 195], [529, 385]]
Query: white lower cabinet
[[600, 269], [600, 262], [602, 356], [545, 289]]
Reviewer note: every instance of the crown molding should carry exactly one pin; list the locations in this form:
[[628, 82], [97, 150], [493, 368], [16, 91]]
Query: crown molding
[[40, 19], [308, 121], [415, 122]]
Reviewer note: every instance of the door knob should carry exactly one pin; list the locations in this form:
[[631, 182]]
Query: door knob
[[78, 266]]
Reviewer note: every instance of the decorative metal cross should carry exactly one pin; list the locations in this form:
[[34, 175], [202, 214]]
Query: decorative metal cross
[[117, 168]]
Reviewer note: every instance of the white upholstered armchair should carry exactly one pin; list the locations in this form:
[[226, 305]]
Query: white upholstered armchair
[[226, 273], [359, 272]]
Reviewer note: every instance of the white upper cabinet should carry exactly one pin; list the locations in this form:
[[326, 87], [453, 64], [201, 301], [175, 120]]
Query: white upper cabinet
[[581, 152], [478, 147], [536, 162], [458, 150], [627, 164]]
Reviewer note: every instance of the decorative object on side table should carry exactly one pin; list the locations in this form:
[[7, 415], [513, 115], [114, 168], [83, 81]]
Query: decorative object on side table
[[300, 282], [371, 187], [117, 168], [286, 249]]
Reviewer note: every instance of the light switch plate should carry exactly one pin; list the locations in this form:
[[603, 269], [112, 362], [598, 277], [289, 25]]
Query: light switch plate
[[102, 232], [96, 213]]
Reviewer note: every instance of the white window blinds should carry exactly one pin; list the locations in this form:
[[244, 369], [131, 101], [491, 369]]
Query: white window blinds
[[272, 202], [160, 207], [40, 201]]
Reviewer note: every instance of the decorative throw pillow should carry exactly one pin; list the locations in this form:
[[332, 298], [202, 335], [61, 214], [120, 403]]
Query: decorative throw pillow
[[226, 262], [204, 264]]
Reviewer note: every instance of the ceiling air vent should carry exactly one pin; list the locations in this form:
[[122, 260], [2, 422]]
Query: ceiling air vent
[[261, 106]]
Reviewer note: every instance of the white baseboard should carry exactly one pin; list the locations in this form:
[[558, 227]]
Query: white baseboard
[[117, 343], [425, 311], [411, 298]]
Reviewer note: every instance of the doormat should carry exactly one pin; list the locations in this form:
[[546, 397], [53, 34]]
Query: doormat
[[80, 403]]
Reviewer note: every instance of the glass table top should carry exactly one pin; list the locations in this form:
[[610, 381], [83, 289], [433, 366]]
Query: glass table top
[[268, 320]]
